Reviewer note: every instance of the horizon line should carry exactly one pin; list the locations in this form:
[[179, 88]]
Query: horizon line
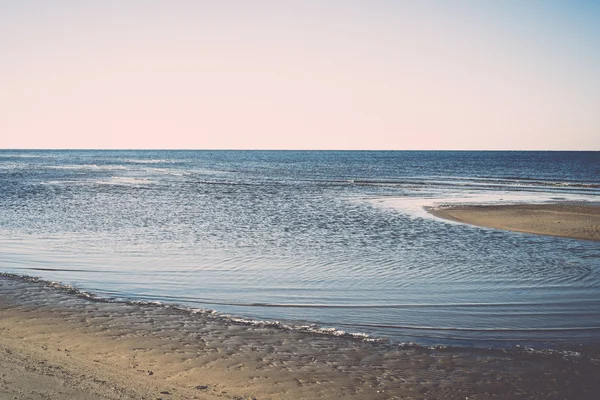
[[282, 149]]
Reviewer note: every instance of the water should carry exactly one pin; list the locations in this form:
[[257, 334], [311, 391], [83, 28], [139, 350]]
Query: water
[[338, 239]]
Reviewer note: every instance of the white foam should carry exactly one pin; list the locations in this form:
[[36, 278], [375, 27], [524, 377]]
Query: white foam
[[124, 181], [416, 207], [93, 167], [135, 161]]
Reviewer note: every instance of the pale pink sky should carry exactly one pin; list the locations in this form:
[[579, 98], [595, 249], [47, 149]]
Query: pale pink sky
[[300, 74]]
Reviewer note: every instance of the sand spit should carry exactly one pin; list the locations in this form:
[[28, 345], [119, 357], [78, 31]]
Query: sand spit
[[572, 220], [56, 345]]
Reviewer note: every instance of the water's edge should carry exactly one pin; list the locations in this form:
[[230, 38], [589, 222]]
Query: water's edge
[[570, 353]]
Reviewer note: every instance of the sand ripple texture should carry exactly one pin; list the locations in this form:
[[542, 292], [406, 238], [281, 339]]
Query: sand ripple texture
[[71, 345]]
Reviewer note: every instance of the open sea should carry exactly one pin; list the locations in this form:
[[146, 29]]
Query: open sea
[[334, 240]]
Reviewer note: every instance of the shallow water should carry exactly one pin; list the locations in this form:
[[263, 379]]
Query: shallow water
[[337, 239]]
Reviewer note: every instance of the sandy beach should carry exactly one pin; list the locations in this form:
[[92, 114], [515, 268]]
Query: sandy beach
[[579, 221], [58, 345]]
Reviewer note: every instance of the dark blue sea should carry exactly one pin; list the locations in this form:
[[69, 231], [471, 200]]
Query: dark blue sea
[[331, 239]]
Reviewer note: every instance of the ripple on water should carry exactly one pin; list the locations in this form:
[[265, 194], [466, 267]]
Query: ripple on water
[[308, 237]]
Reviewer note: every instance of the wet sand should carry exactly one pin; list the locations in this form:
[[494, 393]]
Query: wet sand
[[579, 221], [55, 344]]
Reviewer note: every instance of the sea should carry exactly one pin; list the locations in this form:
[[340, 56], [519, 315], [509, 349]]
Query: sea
[[339, 241]]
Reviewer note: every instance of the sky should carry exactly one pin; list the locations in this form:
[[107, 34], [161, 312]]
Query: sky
[[372, 74]]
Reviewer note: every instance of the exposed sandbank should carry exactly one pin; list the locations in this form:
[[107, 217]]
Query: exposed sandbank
[[572, 220], [55, 345]]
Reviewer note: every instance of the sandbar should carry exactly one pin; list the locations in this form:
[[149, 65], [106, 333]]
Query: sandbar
[[570, 220]]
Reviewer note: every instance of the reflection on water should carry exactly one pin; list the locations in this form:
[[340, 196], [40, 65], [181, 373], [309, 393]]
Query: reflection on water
[[333, 238]]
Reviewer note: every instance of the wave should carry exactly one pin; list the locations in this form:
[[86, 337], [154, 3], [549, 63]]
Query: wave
[[499, 330], [25, 156], [113, 181], [363, 306], [124, 181], [306, 328], [157, 161], [94, 167], [57, 269], [488, 183]]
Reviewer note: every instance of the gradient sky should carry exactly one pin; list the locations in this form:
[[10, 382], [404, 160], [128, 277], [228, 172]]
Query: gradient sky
[[373, 74]]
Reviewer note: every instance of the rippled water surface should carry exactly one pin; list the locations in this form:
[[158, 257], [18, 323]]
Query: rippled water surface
[[339, 239]]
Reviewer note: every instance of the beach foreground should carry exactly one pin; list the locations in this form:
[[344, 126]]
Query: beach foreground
[[579, 221], [56, 344]]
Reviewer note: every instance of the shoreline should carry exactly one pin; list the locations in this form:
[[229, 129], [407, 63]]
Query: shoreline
[[567, 220], [60, 344]]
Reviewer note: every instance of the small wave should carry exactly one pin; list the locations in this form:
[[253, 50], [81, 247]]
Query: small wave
[[65, 182], [87, 167], [307, 328], [138, 161], [499, 330], [368, 306], [113, 181], [57, 269], [310, 328], [224, 183], [25, 156], [124, 181], [473, 183], [165, 171]]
